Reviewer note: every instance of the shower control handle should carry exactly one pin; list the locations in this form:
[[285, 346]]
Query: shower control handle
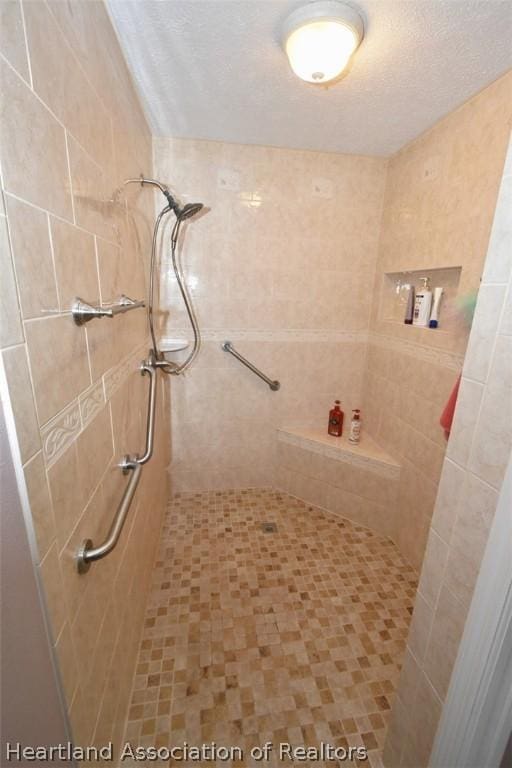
[[83, 312]]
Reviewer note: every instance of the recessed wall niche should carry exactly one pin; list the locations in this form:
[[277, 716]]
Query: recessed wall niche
[[395, 291]]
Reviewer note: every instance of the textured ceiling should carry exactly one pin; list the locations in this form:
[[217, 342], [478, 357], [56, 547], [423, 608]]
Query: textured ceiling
[[214, 69]]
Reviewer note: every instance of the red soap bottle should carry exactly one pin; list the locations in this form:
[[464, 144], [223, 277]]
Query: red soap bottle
[[335, 426]]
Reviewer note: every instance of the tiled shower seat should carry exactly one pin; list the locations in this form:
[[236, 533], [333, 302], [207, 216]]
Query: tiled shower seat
[[359, 482]]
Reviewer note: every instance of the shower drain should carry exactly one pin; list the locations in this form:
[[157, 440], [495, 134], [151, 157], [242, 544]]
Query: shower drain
[[269, 527]]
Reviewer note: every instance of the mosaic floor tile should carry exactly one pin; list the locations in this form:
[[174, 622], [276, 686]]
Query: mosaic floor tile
[[293, 637]]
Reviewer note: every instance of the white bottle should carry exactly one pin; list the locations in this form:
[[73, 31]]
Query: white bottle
[[355, 426], [434, 317], [422, 304]]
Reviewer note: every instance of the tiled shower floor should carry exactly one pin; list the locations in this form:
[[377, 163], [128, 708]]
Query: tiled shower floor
[[294, 636]]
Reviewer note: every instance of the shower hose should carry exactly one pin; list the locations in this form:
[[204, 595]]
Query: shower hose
[[169, 367]]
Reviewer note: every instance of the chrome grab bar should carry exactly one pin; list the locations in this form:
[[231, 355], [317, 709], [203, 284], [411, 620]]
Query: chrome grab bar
[[228, 347], [149, 366], [83, 312], [88, 553]]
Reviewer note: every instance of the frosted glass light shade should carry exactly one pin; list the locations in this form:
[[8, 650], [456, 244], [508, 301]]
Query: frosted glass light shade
[[320, 38]]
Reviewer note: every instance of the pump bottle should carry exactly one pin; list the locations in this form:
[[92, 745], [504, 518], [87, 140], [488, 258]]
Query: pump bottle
[[355, 426], [422, 304]]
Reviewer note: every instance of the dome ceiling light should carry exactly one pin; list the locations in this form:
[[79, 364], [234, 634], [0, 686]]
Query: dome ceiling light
[[320, 38]]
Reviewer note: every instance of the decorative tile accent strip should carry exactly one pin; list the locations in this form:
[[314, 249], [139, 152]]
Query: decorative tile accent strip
[[212, 334], [442, 357], [58, 434], [379, 463], [91, 401], [114, 377]]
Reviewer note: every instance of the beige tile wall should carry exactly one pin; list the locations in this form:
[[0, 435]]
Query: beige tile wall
[[72, 130], [282, 264], [440, 198], [471, 478]]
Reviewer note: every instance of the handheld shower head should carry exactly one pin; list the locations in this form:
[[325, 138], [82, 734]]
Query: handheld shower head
[[188, 210], [184, 212]]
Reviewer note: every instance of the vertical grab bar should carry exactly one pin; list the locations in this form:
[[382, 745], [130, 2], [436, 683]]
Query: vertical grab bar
[[148, 367]]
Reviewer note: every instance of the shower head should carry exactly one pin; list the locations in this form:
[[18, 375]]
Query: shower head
[[184, 212], [188, 210]]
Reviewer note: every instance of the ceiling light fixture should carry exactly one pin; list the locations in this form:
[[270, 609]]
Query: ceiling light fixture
[[320, 38]]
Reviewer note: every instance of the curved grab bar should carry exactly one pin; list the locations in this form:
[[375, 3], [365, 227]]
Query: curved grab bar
[[88, 553], [228, 347]]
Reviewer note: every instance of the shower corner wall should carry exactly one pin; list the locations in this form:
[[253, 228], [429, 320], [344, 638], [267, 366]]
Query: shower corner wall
[[472, 475], [430, 225], [72, 131]]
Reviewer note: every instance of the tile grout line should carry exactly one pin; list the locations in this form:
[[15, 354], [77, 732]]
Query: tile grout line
[[25, 37]]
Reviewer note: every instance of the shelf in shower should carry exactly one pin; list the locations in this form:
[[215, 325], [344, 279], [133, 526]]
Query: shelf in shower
[[173, 345], [395, 291], [366, 455]]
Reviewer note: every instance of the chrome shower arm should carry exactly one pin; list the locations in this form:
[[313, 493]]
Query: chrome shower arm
[[142, 180]]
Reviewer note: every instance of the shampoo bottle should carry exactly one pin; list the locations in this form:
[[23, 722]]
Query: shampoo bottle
[[335, 426], [355, 426], [422, 304], [409, 310]]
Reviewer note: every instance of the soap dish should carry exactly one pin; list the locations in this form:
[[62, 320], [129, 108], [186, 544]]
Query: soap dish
[[172, 345]]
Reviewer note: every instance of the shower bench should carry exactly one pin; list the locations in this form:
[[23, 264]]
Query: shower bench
[[359, 482]]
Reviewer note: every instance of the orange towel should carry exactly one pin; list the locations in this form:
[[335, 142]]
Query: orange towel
[[447, 415]]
